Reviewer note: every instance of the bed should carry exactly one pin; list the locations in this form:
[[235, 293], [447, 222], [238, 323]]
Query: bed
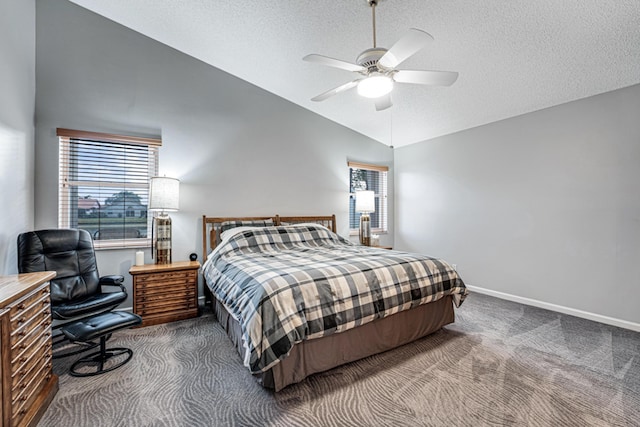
[[297, 299]]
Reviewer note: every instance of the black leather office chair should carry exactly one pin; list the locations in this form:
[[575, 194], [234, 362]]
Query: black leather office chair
[[76, 291]]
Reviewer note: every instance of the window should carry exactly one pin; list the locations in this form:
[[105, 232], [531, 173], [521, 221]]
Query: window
[[368, 177], [104, 186]]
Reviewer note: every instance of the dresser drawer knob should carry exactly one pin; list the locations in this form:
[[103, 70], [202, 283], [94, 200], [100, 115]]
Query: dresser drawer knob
[[21, 320], [21, 306]]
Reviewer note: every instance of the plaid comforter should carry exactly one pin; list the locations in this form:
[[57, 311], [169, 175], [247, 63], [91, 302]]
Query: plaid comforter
[[288, 284]]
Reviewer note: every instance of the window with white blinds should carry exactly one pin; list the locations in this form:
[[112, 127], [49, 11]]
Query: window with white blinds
[[368, 177], [104, 186]]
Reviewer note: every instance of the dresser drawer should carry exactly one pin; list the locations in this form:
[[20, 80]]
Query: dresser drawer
[[37, 344], [22, 401], [28, 303], [166, 277], [164, 306], [24, 373], [40, 321], [165, 292]]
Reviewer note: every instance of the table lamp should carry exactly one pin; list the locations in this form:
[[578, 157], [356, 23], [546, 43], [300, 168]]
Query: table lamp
[[164, 195], [365, 204]]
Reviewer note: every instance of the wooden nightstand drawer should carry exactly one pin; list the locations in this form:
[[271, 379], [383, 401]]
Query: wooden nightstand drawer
[[160, 279], [165, 292]]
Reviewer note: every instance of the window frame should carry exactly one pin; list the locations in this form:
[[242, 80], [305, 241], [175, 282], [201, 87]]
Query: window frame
[[382, 197], [66, 138]]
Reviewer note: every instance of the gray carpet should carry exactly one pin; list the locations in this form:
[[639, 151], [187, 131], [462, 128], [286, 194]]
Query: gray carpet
[[501, 363]]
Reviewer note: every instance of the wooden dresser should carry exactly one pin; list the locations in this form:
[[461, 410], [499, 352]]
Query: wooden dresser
[[165, 292], [28, 382]]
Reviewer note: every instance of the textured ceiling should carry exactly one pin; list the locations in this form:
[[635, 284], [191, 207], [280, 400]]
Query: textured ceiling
[[513, 56]]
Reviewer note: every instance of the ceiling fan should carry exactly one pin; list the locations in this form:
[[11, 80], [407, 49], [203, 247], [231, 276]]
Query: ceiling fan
[[377, 67]]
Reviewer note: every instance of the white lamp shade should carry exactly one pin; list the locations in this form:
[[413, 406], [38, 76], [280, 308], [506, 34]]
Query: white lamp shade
[[375, 86], [164, 194], [365, 201]]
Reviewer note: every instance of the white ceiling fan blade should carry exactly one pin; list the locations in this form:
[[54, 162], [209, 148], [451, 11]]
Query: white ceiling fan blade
[[332, 62], [424, 77], [412, 42], [335, 91], [383, 102]]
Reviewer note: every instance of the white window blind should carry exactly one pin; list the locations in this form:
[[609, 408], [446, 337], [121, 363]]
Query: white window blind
[[104, 186], [368, 177]]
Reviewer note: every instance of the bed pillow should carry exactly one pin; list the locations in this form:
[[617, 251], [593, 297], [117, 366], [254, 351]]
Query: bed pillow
[[227, 225], [226, 235]]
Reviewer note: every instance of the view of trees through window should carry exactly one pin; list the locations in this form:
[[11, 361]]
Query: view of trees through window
[[122, 215]]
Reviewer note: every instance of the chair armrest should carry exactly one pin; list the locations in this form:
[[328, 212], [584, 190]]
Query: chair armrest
[[113, 280]]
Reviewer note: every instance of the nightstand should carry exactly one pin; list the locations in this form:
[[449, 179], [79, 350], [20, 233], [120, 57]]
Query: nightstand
[[165, 292]]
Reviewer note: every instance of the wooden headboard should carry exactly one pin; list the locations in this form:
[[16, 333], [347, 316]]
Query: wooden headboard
[[211, 226]]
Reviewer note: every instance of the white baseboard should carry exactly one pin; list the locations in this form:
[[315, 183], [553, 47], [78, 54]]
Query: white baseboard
[[559, 308]]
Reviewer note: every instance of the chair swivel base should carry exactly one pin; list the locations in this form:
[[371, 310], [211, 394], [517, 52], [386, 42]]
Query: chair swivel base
[[96, 361]]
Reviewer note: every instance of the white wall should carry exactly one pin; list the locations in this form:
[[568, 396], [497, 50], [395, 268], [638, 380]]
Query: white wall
[[237, 149], [17, 99], [545, 206]]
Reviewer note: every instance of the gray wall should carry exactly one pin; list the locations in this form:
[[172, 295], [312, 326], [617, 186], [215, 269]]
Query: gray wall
[[17, 98], [237, 149], [544, 206]]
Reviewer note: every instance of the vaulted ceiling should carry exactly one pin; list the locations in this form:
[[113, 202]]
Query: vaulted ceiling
[[513, 56]]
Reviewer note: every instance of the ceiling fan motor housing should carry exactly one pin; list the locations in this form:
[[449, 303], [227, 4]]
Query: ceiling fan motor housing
[[370, 57]]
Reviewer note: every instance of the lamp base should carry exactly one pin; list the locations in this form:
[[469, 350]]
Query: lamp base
[[162, 240], [365, 230]]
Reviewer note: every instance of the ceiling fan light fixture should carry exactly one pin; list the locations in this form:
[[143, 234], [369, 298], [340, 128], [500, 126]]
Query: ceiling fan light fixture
[[375, 86]]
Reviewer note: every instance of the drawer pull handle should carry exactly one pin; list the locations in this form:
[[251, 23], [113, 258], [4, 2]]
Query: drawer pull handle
[[23, 359], [22, 333], [21, 306], [21, 320], [23, 411], [45, 302], [23, 398]]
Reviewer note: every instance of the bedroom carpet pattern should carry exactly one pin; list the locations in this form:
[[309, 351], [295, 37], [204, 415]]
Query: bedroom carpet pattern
[[501, 363]]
